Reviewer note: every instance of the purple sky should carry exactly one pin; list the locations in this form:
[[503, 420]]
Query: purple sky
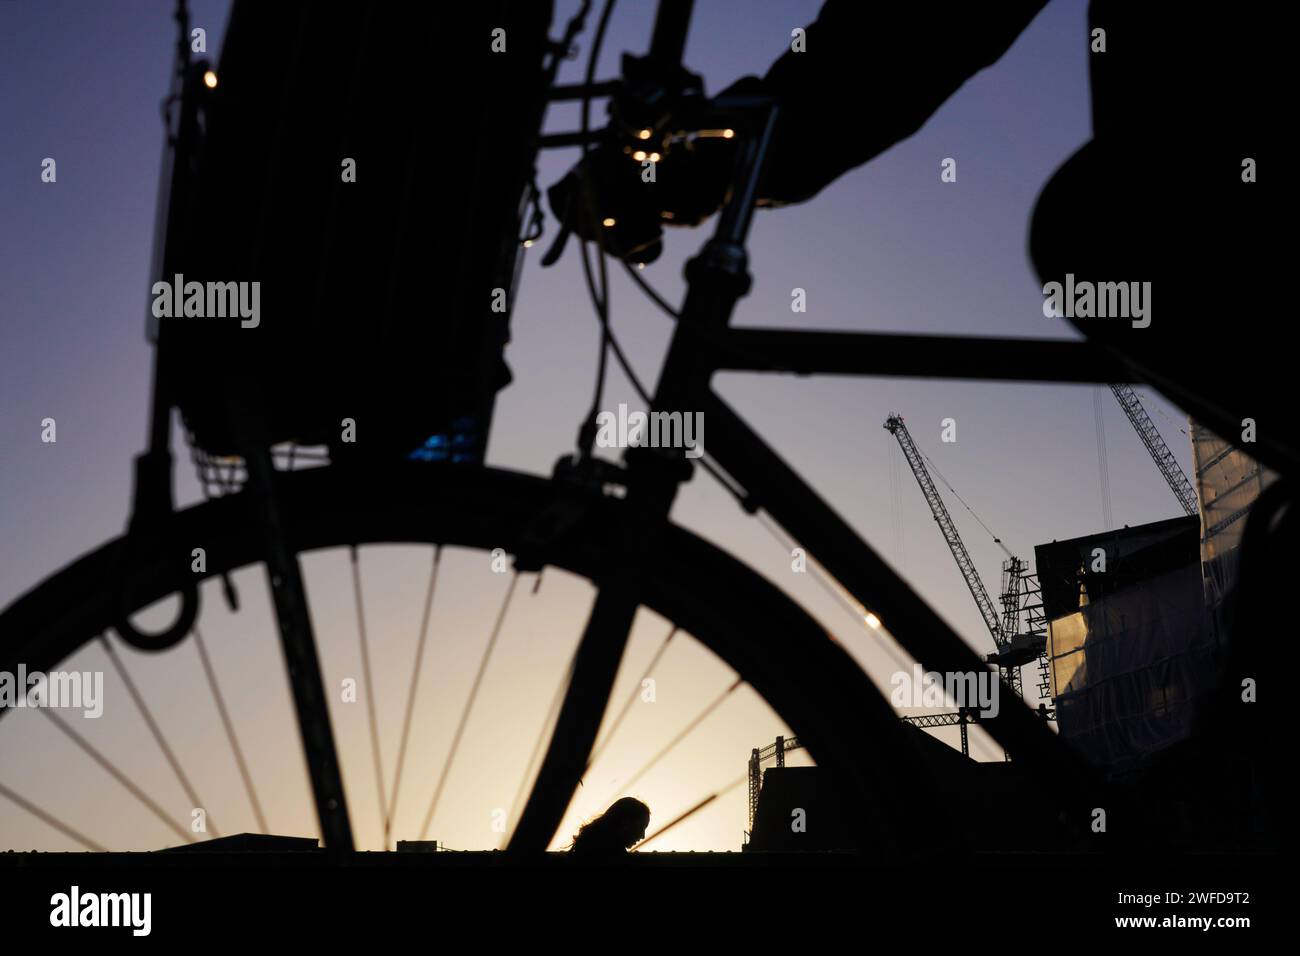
[[889, 247]]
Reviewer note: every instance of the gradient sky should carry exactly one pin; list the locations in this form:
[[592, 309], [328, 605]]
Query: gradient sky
[[888, 247]]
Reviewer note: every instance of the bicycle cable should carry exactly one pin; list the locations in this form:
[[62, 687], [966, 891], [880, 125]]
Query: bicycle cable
[[600, 301], [651, 292]]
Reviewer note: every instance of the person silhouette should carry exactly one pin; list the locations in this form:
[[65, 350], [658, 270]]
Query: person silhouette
[[622, 826]]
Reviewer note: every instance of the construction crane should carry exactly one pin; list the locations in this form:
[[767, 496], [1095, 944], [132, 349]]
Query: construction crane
[[1013, 649], [961, 718], [1160, 453]]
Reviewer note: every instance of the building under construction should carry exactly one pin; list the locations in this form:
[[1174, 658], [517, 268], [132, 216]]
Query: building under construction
[[1125, 628]]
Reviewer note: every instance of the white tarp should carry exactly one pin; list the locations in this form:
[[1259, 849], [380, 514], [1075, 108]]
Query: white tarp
[[1227, 482]]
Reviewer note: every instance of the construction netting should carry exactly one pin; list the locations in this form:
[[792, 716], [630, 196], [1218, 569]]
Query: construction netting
[[1129, 671], [1129, 644], [1134, 640], [1227, 482]]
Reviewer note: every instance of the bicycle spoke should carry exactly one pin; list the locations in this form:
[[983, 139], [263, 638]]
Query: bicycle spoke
[[681, 735], [627, 705], [541, 737], [415, 681], [52, 821], [118, 775], [230, 730], [370, 693], [469, 705], [155, 730], [691, 812]]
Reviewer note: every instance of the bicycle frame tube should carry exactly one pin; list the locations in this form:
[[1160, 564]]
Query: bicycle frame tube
[[774, 486], [806, 352]]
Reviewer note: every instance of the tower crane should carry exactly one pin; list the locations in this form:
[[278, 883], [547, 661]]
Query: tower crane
[[1160, 453], [1012, 649]]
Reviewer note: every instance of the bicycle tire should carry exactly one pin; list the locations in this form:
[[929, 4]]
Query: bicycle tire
[[766, 637]]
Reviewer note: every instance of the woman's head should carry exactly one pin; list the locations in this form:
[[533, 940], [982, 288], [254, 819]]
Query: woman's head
[[621, 826]]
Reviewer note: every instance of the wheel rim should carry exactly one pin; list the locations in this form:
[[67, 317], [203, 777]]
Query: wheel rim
[[776, 647]]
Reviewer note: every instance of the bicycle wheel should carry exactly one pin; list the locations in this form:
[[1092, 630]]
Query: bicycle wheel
[[747, 622]]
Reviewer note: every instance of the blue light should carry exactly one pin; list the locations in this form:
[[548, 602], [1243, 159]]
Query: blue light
[[460, 445], [428, 454]]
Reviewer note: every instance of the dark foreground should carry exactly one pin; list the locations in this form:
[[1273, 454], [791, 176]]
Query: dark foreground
[[306, 893]]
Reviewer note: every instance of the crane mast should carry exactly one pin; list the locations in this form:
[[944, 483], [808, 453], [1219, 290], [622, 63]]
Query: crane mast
[[894, 425], [1015, 647], [1160, 453]]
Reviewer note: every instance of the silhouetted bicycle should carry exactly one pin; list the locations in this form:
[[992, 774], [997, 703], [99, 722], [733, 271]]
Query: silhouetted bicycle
[[602, 522]]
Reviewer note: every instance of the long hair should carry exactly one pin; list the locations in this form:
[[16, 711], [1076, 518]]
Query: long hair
[[618, 828]]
